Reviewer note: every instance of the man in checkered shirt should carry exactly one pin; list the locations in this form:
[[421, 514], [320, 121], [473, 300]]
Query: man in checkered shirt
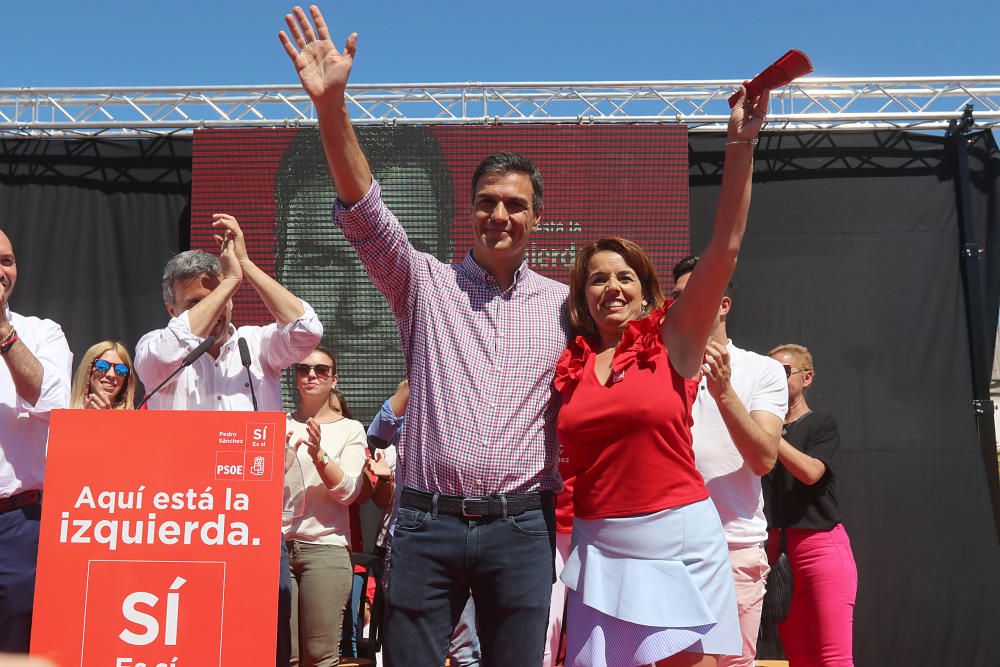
[[479, 458]]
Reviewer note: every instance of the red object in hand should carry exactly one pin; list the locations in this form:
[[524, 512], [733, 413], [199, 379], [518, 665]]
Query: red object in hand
[[783, 71]]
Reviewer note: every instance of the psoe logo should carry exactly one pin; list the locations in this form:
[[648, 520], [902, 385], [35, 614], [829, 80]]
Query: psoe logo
[[152, 613]]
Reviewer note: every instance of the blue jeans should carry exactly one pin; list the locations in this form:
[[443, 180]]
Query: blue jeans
[[19, 529], [351, 631], [437, 559]]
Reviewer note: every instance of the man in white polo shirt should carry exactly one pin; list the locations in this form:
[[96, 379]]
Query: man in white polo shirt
[[741, 404]]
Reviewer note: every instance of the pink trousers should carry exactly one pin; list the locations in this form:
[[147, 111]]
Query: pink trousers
[[819, 627]]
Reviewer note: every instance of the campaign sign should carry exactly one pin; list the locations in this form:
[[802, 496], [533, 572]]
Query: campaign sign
[[159, 539]]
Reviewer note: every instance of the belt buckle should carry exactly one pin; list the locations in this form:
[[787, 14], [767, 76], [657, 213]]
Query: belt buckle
[[466, 513]]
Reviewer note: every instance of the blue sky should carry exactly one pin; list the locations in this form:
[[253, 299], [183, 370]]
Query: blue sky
[[186, 42]]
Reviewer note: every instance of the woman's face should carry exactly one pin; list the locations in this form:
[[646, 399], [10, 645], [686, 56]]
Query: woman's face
[[613, 292], [798, 379], [314, 375], [108, 381]]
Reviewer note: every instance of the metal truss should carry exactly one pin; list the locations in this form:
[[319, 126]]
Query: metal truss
[[913, 103]]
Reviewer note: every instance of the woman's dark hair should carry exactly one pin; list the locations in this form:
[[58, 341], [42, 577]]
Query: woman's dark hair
[[634, 256]]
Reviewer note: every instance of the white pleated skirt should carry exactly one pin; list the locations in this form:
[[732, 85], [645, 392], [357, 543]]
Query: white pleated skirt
[[644, 588]]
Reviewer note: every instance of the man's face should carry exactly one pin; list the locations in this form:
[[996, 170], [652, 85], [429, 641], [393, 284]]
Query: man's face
[[8, 266], [502, 215], [189, 292]]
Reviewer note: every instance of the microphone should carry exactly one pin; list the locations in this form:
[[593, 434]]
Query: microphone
[[245, 360], [192, 357], [197, 352]]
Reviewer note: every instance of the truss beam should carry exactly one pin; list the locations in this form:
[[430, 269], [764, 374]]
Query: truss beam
[[841, 104]]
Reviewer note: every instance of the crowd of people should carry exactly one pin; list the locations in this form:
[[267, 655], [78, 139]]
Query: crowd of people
[[588, 474]]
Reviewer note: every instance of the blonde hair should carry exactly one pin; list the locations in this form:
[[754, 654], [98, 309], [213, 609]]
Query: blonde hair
[[81, 379], [800, 352]]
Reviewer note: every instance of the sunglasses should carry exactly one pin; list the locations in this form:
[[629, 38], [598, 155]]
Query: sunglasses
[[103, 366], [788, 370], [321, 370]]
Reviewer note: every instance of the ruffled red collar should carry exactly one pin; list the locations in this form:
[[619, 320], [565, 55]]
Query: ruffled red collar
[[640, 345]]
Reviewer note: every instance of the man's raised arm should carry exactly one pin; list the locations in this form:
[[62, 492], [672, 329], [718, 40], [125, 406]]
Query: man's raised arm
[[324, 71]]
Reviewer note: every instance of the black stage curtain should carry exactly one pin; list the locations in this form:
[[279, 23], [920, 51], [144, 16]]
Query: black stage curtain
[[92, 223], [853, 250]]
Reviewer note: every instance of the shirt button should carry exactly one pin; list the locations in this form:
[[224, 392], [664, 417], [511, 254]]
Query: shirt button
[[218, 397], [246, 384]]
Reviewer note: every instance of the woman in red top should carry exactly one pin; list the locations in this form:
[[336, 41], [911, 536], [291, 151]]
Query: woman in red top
[[649, 574]]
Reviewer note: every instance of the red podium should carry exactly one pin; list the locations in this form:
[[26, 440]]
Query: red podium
[[159, 539]]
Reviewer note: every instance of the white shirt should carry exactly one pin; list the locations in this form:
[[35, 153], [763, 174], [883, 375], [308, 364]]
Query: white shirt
[[761, 384], [24, 428], [325, 516], [221, 384]]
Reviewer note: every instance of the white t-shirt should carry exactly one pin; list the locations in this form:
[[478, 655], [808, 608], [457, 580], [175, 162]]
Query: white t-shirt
[[325, 518], [761, 384]]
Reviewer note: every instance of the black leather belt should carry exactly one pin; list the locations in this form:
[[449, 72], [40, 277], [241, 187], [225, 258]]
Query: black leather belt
[[20, 500], [509, 504]]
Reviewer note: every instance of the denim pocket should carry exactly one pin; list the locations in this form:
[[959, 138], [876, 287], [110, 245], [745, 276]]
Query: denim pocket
[[410, 519], [531, 523]]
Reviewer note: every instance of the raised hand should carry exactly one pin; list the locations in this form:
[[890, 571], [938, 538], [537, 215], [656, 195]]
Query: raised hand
[[717, 369], [312, 439], [747, 117], [97, 400], [229, 230], [230, 246], [322, 69]]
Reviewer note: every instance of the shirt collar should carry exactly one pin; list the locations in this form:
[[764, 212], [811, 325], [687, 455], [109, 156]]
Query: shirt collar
[[473, 268]]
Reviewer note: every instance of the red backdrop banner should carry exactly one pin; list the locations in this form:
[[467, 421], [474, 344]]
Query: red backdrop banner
[[629, 181]]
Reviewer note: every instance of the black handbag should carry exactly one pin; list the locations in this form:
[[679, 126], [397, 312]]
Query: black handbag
[[778, 598]]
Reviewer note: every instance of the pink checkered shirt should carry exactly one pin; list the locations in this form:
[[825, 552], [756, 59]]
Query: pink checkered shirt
[[482, 411]]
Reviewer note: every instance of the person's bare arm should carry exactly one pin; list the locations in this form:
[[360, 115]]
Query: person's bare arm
[[283, 305], [686, 329], [755, 434], [25, 369], [203, 315], [807, 469]]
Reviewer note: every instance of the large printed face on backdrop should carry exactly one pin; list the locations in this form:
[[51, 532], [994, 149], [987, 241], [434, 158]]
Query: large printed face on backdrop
[[315, 261]]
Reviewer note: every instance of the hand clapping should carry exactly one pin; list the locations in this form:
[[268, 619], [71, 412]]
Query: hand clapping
[[716, 368]]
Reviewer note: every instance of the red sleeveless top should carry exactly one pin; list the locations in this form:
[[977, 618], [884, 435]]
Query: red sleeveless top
[[628, 442]]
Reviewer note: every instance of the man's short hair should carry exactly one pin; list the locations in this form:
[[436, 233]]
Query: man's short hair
[[505, 163], [686, 266], [185, 265]]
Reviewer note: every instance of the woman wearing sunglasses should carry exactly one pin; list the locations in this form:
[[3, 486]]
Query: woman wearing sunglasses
[[331, 454], [803, 514], [104, 379]]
